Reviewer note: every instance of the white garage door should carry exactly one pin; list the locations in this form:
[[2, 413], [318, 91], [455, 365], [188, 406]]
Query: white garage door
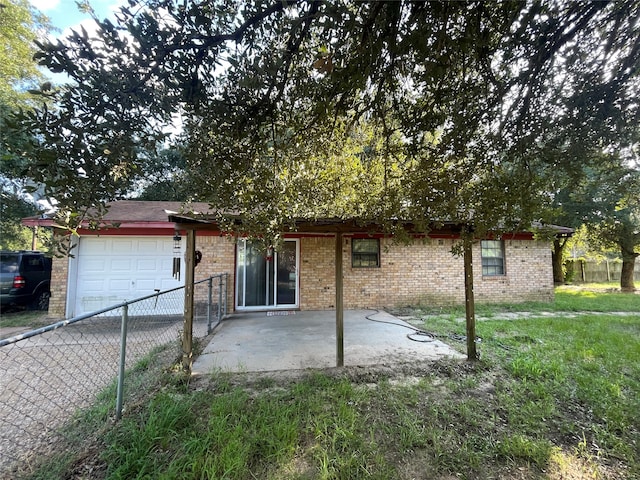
[[111, 270]]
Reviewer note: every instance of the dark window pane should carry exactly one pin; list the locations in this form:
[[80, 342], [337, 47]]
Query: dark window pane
[[365, 252]]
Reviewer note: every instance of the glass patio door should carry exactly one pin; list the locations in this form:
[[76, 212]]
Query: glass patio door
[[263, 282]]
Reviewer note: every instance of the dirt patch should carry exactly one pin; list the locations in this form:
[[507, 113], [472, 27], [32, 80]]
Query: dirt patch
[[404, 373]]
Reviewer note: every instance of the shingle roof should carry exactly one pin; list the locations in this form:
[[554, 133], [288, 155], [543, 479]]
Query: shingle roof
[[149, 211], [135, 212]]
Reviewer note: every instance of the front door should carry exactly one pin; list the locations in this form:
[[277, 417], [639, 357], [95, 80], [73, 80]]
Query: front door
[[266, 282]]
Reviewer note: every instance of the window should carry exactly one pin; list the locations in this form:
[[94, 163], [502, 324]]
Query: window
[[492, 257], [33, 264], [365, 252]]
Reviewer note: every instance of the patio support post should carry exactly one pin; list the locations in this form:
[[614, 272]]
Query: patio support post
[[468, 296], [187, 333], [339, 304]]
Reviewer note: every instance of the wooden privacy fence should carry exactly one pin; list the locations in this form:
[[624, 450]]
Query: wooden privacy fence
[[589, 271]]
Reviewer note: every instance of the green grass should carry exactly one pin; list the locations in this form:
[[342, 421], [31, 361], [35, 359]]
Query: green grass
[[552, 397], [24, 318], [595, 300], [588, 298]]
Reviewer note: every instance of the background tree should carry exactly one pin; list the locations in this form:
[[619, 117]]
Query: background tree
[[20, 26], [604, 200], [165, 178], [616, 221]]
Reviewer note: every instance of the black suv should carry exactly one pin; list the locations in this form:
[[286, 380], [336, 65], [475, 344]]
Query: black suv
[[25, 278]]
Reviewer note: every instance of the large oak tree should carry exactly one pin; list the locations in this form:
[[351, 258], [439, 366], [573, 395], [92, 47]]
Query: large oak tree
[[450, 110]]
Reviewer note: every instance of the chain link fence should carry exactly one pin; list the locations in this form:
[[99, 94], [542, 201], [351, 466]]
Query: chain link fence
[[50, 373]]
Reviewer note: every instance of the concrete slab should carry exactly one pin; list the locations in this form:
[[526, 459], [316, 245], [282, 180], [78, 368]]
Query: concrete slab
[[256, 342]]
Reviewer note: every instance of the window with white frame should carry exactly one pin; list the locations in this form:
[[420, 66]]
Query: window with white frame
[[492, 258], [365, 252]]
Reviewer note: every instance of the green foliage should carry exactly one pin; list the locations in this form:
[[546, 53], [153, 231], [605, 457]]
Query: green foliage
[[165, 178], [20, 26], [13, 236], [387, 110]]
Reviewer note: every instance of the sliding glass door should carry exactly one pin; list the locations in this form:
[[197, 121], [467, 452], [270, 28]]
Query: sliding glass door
[[266, 282]]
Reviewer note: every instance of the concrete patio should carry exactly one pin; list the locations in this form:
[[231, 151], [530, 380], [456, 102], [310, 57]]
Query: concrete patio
[[262, 342]]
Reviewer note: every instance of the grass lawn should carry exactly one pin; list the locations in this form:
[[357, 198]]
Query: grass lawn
[[552, 397]]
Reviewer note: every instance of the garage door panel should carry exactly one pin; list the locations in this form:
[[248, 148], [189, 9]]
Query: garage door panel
[[97, 246], [121, 265], [112, 270], [146, 285], [147, 265], [122, 246], [153, 247], [119, 285], [166, 265], [92, 304], [94, 265], [93, 286]]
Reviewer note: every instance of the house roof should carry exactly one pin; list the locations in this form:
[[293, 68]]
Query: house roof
[[126, 211], [207, 221], [137, 214], [134, 214]]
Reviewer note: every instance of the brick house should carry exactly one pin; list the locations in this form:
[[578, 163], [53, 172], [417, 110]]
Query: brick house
[[129, 261]]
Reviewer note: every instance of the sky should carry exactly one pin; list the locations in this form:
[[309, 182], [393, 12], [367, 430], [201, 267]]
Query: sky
[[64, 14]]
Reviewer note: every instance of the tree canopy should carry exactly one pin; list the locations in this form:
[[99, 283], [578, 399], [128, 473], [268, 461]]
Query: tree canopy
[[20, 26], [430, 110]]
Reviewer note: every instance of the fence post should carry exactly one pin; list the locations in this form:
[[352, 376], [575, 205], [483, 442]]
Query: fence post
[[210, 285], [219, 298], [123, 355], [225, 276]]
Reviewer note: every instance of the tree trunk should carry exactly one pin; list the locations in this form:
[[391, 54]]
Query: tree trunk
[[628, 265], [472, 353], [557, 259]]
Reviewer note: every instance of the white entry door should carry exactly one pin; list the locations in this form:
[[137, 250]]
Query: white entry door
[[111, 270]]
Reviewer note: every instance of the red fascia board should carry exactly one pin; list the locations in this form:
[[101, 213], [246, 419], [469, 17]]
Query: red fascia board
[[128, 231], [143, 229]]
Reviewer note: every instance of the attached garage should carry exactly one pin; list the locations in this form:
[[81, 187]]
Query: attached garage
[[130, 256], [112, 269]]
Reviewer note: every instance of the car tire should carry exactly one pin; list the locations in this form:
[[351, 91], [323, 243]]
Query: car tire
[[40, 301]]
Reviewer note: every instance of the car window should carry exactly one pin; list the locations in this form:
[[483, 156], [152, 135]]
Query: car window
[[8, 263], [33, 264]]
